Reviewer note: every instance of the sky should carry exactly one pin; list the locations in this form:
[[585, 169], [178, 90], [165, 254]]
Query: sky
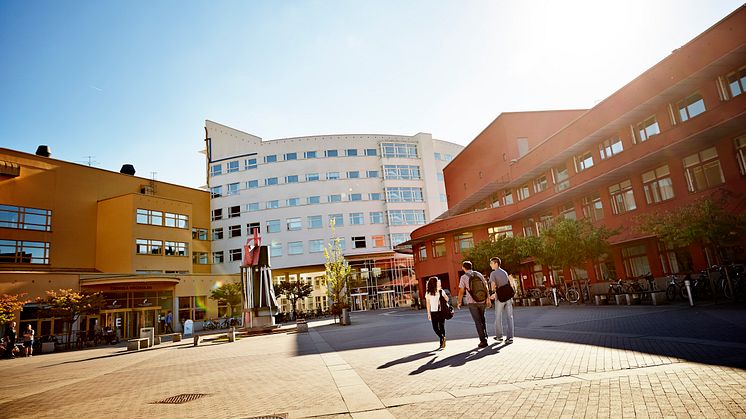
[[115, 82]]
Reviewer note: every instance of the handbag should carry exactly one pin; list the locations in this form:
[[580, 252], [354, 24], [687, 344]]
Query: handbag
[[446, 309], [505, 292]]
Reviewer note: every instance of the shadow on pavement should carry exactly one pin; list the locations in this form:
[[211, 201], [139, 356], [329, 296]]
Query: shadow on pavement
[[457, 360]]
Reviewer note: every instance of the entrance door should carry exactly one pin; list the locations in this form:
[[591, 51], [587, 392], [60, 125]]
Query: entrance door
[[359, 302], [386, 299]]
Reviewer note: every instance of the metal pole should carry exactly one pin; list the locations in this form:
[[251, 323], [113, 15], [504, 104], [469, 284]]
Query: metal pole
[[688, 285], [554, 292]]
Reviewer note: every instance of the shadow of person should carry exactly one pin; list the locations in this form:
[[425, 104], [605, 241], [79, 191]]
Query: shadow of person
[[457, 360], [408, 358]]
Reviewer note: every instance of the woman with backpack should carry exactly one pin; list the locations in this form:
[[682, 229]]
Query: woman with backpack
[[433, 297]]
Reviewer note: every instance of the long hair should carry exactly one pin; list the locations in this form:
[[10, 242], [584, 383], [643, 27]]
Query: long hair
[[432, 285]]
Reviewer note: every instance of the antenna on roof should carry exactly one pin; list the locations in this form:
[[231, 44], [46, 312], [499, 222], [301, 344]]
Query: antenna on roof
[[89, 161]]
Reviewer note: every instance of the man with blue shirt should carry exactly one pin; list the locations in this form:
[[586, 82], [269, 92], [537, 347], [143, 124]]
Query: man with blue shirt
[[498, 278]]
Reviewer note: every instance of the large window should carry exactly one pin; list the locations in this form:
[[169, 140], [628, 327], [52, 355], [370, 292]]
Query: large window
[[316, 246], [26, 218], [690, 107], [199, 233], [232, 166], [378, 241], [529, 227], [251, 184], [610, 147], [401, 172], [376, 217], [217, 214], [295, 248], [312, 177], [218, 257], [199, 258], [331, 153], [371, 152], [291, 179], [740, 144], [217, 233], [657, 185], [274, 204], [374, 196], [176, 220], [356, 218], [540, 184], [275, 249], [560, 177], [703, 170], [332, 175], [176, 249], [404, 194], [463, 241], [507, 197], [294, 224], [406, 217], [523, 192], [21, 251], [216, 169], [234, 231], [338, 220], [291, 156], [272, 158], [233, 212], [647, 129], [567, 211], [252, 227], [193, 308], [252, 206], [737, 82], [500, 231], [635, 260], [422, 252], [622, 197], [593, 208], [216, 192], [401, 150], [439, 247], [356, 197], [250, 163], [292, 202], [351, 152], [315, 221], [273, 226], [313, 200], [335, 198], [145, 216], [583, 161], [148, 247], [358, 242], [270, 181], [372, 174], [396, 238], [353, 174], [310, 154]]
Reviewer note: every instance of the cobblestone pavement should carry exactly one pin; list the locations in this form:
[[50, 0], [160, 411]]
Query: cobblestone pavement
[[638, 361]]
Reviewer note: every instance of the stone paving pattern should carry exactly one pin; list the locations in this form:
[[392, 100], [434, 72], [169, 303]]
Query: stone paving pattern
[[572, 361]]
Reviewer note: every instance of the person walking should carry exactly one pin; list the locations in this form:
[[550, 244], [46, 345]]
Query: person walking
[[169, 320], [432, 301], [504, 309], [28, 340], [477, 299], [10, 339]]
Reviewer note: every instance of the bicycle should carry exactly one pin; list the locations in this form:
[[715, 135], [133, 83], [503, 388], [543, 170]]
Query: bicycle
[[209, 324], [585, 291], [676, 286], [569, 294]]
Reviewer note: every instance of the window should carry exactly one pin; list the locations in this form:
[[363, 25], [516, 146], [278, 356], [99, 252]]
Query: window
[[703, 170], [292, 202], [657, 185], [437, 156], [331, 153], [234, 255], [193, 308], [610, 148], [217, 257], [291, 179], [635, 260], [337, 218], [592, 207], [310, 154], [148, 247], [332, 175], [647, 129], [216, 192], [295, 248], [439, 247], [529, 227], [373, 174], [252, 227], [199, 258], [22, 251], [233, 212], [583, 161], [234, 231], [500, 231], [315, 221], [401, 150], [448, 157], [270, 159], [622, 197], [312, 177], [199, 233], [401, 172], [291, 156], [371, 152], [523, 192], [251, 184], [376, 217], [422, 252], [379, 241], [316, 246], [273, 204], [273, 226], [253, 206], [275, 249], [545, 221], [232, 166], [177, 249], [249, 164], [463, 241], [356, 218], [217, 233], [690, 107], [567, 211], [270, 181], [406, 217], [740, 144], [356, 197], [313, 200], [404, 194], [217, 214], [737, 82], [216, 170], [335, 198], [358, 242], [25, 218], [540, 184], [375, 196], [351, 152], [353, 174], [507, 197], [294, 224], [560, 177]]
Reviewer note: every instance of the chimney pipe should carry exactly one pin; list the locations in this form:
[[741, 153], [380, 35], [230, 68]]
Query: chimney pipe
[[43, 150], [127, 169]]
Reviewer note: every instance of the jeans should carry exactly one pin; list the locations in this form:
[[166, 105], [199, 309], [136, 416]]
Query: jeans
[[439, 324], [477, 313], [505, 308]]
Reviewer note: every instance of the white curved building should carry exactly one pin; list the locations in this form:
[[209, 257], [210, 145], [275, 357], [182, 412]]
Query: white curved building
[[377, 188]]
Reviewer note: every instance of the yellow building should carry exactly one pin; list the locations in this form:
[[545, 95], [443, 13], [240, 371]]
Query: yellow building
[[144, 244]]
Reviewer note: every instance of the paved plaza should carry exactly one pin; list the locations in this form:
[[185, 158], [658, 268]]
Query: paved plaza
[[638, 361]]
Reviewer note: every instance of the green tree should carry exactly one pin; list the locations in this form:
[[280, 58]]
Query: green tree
[[294, 291], [511, 250], [70, 305], [337, 274], [9, 305], [230, 294]]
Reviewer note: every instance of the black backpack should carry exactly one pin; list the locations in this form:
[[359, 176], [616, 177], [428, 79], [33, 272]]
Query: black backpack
[[477, 289]]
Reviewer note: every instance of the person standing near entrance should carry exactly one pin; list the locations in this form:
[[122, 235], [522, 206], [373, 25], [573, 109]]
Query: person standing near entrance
[[10, 339], [169, 320], [28, 340], [432, 300], [498, 278], [477, 298]]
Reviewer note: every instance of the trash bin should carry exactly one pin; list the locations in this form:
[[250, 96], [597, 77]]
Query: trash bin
[[345, 317]]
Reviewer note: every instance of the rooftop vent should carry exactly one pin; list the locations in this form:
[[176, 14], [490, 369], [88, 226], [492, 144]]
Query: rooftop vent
[[43, 151], [127, 169]]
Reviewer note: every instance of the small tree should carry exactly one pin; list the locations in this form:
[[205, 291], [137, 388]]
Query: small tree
[[9, 305], [230, 294], [70, 305], [510, 250], [337, 274], [294, 291]]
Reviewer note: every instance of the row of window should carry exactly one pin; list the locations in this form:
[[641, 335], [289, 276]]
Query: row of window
[[159, 247], [25, 218], [22, 251], [443, 157], [160, 218]]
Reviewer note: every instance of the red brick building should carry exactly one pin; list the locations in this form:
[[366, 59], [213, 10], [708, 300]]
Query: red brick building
[[671, 136]]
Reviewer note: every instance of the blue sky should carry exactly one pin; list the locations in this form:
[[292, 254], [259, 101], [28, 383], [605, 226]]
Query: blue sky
[[133, 82]]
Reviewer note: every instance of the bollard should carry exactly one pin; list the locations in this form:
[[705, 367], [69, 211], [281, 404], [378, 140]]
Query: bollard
[[688, 285], [554, 292]]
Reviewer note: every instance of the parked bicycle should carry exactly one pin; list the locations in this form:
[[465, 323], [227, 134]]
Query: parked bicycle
[[566, 293], [676, 287]]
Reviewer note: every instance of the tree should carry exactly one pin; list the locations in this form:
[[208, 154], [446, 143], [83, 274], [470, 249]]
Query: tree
[[294, 291], [70, 305], [9, 305], [230, 294], [337, 274], [511, 250]]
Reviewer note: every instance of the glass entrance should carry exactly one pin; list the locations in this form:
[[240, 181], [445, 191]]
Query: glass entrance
[[386, 299], [359, 302]]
